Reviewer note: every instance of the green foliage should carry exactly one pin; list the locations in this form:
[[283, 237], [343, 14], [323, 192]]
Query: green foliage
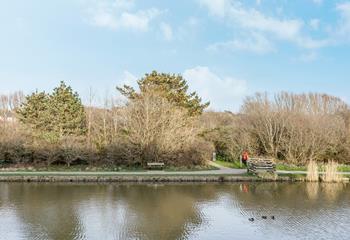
[[54, 115], [67, 112], [173, 87], [34, 112]]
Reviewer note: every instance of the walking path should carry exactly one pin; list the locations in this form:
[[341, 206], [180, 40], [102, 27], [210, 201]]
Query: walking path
[[220, 171]]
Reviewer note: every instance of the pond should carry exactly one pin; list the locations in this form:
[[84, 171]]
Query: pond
[[174, 211]]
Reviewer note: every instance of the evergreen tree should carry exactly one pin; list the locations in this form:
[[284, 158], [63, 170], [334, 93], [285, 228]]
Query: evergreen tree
[[34, 111], [67, 111], [60, 113], [171, 86]]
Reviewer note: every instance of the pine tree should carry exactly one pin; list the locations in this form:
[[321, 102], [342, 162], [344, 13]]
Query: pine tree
[[67, 111], [60, 113], [34, 111], [171, 86]]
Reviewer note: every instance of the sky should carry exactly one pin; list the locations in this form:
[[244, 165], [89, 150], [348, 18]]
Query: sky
[[225, 49]]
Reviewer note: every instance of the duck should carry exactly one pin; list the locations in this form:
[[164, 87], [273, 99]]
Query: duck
[[273, 217], [264, 217], [251, 219]]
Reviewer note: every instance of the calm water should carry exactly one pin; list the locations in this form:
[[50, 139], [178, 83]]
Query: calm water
[[174, 211]]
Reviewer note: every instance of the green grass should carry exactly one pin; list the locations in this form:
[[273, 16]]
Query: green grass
[[85, 168], [75, 168], [190, 169], [287, 167], [293, 176], [341, 168], [234, 164], [344, 168]]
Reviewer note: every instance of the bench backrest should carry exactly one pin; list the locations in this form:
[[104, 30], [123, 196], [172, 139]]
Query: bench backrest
[[155, 164]]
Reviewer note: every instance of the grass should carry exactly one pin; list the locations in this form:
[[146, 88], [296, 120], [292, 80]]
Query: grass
[[293, 176], [344, 168], [279, 166], [75, 168], [234, 164], [190, 169], [287, 167], [85, 168], [109, 174]]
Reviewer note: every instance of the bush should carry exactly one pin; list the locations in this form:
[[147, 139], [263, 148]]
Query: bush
[[155, 130]]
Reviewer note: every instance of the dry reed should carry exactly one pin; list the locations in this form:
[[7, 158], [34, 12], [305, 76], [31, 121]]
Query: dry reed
[[331, 172], [312, 172]]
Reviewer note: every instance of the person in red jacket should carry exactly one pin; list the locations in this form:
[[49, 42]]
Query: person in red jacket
[[245, 157]]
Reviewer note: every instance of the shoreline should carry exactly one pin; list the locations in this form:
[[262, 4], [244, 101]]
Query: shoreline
[[223, 174], [66, 177]]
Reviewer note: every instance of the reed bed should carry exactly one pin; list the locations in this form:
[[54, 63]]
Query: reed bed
[[312, 172], [331, 172]]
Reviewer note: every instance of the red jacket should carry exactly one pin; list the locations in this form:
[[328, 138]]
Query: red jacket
[[245, 156]]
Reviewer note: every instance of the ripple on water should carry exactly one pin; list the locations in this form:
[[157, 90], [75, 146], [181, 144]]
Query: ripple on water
[[174, 211]]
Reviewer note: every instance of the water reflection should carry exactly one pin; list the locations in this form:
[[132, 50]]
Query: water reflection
[[312, 190], [174, 211]]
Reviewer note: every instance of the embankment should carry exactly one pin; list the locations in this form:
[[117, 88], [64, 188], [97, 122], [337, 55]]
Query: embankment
[[136, 178]]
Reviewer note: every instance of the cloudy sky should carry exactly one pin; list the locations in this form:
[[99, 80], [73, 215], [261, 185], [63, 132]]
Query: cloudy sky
[[226, 49]]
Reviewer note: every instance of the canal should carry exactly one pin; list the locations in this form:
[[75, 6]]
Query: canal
[[174, 211]]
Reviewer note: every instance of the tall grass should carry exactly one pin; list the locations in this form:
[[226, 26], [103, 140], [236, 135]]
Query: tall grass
[[331, 172], [312, 172]]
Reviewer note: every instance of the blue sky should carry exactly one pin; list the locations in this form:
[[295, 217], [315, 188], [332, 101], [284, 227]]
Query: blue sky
[[226, 49]]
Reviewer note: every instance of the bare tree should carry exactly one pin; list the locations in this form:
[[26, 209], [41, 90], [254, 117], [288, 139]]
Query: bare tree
[[296, 127], [156, 130]]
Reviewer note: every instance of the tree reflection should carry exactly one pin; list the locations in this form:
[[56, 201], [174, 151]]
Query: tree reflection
[[170, 211], [61, 211]]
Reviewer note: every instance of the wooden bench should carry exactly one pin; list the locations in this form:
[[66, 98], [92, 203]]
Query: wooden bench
[[259, 165], [157, 165]]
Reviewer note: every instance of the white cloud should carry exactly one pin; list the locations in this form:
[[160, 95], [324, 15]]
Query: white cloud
[[129, 79], [256, 43], [224, 93], [344, 23], [314, 23], [215, 7], [252, 21], [166, 31], [120, 14]]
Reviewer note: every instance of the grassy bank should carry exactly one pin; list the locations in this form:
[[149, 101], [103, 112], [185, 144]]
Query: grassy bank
[[234, 164], [280, 166], [286, 167], [85, 168], [135, 177]]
